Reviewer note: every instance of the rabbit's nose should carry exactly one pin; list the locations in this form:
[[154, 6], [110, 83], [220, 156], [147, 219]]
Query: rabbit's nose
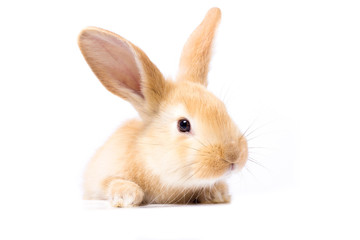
[[232, 152], [236, 151]]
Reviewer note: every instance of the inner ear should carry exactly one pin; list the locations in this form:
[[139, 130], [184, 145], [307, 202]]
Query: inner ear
[[112, 60], [122, 64]]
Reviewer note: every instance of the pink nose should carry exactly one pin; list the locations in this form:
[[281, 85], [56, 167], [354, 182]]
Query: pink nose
[[236, 152], [232, 152]]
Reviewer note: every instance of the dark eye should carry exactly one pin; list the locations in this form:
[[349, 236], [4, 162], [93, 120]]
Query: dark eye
[[184, 125]]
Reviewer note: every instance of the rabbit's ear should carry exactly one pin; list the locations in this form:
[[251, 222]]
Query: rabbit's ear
[[123, 68], [196, 54]]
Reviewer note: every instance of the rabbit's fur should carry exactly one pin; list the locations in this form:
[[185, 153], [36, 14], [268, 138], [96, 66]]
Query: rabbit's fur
[[149, 160]]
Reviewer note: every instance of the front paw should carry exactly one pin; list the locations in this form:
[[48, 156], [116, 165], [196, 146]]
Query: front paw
[[123, 193], [218, 193]]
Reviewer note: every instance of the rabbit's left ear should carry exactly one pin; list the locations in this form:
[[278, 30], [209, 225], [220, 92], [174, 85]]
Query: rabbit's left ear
[[196, 54], [123, 68]]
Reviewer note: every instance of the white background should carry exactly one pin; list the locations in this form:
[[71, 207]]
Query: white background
[[288, 69]]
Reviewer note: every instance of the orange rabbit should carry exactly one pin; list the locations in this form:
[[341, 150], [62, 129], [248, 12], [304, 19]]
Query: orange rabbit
[[184, 145]]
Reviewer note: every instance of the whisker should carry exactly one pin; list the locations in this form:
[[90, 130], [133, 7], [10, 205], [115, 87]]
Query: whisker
[[250, 172], [189, 200], [169, 198], [257, 153], [161, 190], [250, 139], [256, 129], [192, 148], [200, 192], [182, 167], [196, 172], [199, 141], [259, 164], [251, 125], [223, 159]]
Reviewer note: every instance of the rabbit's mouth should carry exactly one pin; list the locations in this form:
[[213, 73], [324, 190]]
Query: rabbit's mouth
[[221, 160], [233, 168], [209, 175]]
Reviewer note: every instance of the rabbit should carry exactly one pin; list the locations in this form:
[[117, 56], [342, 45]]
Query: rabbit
[[184, 145]]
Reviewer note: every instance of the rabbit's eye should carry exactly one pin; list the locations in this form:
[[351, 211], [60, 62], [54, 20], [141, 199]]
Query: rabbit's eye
[[184, 125]]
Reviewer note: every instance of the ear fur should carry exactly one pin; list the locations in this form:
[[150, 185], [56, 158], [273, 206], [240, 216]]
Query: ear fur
[[123, 68], [196, 54]]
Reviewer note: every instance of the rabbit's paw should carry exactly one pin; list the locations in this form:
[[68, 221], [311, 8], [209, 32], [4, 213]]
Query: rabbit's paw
[[218, 193], [122, 193]]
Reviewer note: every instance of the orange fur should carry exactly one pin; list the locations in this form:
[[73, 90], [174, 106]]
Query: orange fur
[[149, 160], [196, 55]]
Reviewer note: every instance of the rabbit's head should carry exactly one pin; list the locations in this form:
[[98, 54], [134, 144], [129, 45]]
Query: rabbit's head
[[188, 138]]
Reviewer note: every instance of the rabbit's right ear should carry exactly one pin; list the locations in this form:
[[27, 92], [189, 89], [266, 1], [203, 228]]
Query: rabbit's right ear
[[123, 69], [196, 54]]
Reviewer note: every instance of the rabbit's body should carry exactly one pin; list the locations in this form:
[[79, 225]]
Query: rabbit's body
[[185, 144]]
